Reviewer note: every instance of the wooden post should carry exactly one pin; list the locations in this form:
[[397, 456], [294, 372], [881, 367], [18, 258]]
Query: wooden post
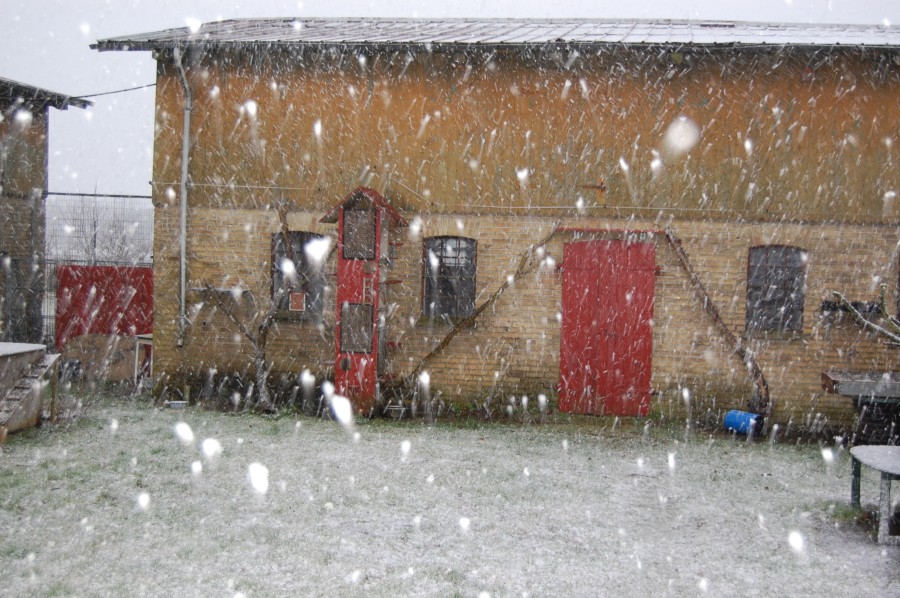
[[856, 468]]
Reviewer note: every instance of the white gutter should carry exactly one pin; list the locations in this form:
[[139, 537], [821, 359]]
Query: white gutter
[[182, 233]]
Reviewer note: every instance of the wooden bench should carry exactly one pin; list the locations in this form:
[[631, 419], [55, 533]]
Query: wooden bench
[[885, 459]]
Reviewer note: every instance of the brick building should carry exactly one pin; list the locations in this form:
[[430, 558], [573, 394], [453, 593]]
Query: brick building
[[666, 207], [24, 136]]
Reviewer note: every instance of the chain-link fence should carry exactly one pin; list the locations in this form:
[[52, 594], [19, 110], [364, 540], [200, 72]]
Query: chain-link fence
[[89, 230], [92, 230], [84, 230], [51, 282], [97, 230]]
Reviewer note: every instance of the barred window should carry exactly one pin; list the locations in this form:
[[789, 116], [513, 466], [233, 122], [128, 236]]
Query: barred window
[[776, 288], [300, 288], [359, 233], [357, 328], [449, 265]]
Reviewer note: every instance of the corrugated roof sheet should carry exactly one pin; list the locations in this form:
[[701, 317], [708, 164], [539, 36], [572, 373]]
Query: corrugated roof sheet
[[507, 32], [12, 92]]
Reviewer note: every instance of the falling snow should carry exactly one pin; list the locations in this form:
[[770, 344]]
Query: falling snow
[[500, 510], [681, 136], [129, 501]]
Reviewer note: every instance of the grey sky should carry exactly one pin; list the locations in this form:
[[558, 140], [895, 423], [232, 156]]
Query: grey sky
[[107, 148]]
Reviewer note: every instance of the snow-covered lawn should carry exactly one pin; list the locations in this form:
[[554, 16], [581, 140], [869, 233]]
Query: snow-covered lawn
[[122, 503]]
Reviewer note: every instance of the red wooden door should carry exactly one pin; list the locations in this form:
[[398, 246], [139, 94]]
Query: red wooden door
[[580, 342], [359, 243], [606, 341]]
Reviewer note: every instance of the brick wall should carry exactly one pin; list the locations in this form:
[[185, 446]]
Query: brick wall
[[497, 147], [23, 176], [514, 348]]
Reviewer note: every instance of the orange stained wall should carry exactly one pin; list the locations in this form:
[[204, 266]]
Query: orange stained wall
[[782, 135]]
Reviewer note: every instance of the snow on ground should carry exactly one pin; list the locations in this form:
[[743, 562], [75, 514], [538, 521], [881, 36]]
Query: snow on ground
[[122, 503]]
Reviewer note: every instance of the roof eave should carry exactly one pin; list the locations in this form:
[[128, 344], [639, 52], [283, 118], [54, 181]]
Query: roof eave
[[158, 46], [73, 101], [38, 97], [117, 46], [486, 34]]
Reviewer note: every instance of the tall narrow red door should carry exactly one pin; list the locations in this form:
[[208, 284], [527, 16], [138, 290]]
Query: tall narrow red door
[[580, 340], [607, 336]]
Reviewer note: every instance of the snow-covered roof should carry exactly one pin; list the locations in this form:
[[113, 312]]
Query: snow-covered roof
[[506, 32], [12, 92]]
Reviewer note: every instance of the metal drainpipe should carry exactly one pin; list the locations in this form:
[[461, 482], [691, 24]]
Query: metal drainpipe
[[185, 155]]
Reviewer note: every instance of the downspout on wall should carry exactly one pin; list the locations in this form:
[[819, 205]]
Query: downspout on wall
[[183, 190]]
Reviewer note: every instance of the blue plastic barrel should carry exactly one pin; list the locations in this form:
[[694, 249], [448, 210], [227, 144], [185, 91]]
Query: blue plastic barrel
[[741, 421]]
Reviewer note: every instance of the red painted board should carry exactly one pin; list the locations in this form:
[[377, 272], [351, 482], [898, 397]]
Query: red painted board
[[103, 300]]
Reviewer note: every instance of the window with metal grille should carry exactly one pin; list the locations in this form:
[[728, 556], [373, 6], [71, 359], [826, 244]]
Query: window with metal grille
[[357, 328], [297, 283], [449, 277], [776, 288], [359, 233]]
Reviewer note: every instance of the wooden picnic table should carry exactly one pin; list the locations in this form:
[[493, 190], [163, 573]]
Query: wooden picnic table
[[885, 459]]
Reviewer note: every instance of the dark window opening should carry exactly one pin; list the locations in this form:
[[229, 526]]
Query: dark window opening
[[359, 234], [449, 277], [776, 288], [299, 288], [356, 328]]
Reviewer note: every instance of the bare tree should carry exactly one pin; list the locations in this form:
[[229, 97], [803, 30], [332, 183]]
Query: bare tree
[[91, 230], [254, 319], [887, 325], [528, 262]]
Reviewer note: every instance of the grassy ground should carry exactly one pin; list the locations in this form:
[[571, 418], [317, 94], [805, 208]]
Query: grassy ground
[[117, 503]]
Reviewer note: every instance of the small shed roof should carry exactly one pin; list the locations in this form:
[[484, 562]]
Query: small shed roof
[[506, 32], [13, 92]]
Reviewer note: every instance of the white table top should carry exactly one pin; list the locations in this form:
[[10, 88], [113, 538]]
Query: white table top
[[882, 458]]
